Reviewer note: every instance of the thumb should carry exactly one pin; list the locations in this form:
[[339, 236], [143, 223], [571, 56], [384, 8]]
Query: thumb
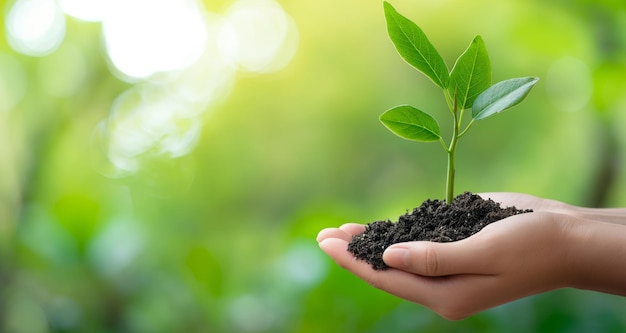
[[438, 259]]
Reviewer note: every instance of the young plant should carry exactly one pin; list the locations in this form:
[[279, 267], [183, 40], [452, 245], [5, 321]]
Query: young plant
[[467, 87]]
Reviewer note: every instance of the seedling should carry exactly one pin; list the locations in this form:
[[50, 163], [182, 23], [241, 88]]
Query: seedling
[[467, 87]]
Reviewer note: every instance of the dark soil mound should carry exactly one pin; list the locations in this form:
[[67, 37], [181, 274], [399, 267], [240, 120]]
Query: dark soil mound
[[433, 221]]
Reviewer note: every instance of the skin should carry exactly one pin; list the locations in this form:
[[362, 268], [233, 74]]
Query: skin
[[556, 246]]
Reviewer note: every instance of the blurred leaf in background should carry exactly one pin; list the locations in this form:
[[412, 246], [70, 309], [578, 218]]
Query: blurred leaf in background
[[167, 164]]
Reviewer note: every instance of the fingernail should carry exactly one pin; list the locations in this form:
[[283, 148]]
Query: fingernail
[[395, 256]]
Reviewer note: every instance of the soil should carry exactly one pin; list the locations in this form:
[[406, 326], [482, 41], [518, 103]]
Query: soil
[[434, 220]]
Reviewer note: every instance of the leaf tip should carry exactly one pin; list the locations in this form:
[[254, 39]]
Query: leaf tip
[[387, 6]]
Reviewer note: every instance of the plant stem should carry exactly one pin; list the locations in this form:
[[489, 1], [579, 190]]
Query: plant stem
[[451, 153], [466, 128], [451, 167], [450, 179]]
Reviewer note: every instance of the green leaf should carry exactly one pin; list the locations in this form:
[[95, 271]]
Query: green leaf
[[415, 48], [410, 123], [471, 74], [502, 96]]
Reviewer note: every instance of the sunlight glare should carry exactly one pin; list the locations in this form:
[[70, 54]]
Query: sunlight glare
[[145, 37], [85, 10], [177, 53], [209, 80], [35, 27], [161, 118]]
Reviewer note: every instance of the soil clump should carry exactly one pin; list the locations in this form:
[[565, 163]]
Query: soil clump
[[434, 220]]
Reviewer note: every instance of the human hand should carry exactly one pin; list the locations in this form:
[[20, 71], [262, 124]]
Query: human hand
[[516, 257], [526, 201]]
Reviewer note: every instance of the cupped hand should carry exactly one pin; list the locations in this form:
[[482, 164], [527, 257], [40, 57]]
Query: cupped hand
[[509, 259]]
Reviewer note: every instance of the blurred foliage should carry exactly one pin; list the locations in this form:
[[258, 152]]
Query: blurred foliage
[[222, 238]]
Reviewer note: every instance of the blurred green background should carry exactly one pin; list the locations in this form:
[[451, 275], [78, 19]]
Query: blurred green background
[[166, 165]]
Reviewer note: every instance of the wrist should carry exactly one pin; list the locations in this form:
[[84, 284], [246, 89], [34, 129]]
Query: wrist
[[611, 215], [596, 256]]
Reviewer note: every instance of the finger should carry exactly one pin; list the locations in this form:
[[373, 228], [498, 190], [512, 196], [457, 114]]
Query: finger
[[440, 259], [393, 281], [333, 233], [353, 228], [442, 294], [344, 232], [453, 297]]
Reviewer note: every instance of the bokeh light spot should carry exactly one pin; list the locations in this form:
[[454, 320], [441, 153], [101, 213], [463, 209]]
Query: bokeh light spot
[[252, 313], [304, 264], [35, 27], [85, 10], [116, 247], [145, 37], [146, 122], [208, 81], [258, 36]]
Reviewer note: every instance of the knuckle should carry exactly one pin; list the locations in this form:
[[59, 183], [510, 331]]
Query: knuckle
[[430, 261]]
